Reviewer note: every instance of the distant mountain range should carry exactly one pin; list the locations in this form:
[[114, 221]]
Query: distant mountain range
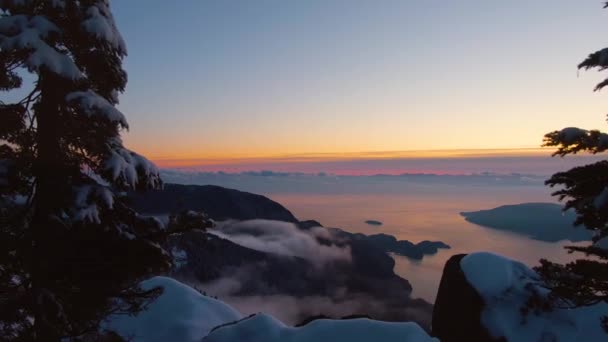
[[540, 221]]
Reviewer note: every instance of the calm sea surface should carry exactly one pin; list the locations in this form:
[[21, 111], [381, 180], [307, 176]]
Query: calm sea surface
[[430, 213]]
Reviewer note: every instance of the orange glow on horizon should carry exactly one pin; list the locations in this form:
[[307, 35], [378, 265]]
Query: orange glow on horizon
[[210, 160]]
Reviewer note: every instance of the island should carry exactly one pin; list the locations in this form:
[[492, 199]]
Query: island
[[540, 221], [390, 244], [373, 223]]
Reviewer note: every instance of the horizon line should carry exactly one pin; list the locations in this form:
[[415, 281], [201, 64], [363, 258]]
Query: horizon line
[[167, 161], [272, 173]]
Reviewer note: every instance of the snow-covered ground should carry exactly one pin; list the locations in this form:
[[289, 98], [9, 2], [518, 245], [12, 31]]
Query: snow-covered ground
[[182, 314], [504, 285], [264, 328]]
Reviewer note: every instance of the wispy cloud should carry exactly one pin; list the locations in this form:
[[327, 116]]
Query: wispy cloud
[[284, 238]]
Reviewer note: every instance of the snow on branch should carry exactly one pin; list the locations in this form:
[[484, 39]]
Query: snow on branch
[[93, 104], [131, 170], [20, 33], [17, 23], [100, 24], [87, 200], [574, 140]]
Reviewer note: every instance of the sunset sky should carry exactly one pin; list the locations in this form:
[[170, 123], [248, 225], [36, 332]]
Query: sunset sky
[[218, 81]]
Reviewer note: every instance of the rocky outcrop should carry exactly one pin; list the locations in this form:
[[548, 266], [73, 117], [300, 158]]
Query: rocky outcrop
[[458, 307]]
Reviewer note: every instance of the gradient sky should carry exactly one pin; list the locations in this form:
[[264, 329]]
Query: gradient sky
[[226, 79]]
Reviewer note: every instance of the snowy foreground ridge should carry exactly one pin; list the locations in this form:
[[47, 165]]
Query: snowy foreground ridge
[[182, 314], [264, 328], [505, 285]]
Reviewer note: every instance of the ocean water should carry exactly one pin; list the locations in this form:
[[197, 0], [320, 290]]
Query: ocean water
[[429, 212]]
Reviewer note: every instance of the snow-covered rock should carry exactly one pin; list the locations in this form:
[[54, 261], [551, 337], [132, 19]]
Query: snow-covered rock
[[458, 307], [180, 314], [505, 285], [264, 328]]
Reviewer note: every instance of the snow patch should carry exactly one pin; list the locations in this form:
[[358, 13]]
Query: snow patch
[[499, 273], [101, 25], [505, 285], [18, 23], [264, 328], [570, 135], [180, 314]]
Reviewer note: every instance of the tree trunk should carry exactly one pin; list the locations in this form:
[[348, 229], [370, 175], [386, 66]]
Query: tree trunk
[[50, 184]]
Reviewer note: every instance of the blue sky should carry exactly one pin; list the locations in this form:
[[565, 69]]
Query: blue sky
[[260, 78]]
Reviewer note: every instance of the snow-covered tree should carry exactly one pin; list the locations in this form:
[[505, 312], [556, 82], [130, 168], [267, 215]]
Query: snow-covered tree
[[71, 249], [585, 190]]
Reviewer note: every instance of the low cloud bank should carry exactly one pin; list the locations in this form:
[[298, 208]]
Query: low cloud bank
[[304, 273], [337, 303], [284, 238]]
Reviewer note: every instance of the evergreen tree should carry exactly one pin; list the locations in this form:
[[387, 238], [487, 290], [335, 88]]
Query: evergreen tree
[[585, 190], [71, 249]]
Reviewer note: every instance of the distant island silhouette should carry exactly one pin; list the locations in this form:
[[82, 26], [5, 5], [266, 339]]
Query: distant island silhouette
[[373, 223], [540, 221]]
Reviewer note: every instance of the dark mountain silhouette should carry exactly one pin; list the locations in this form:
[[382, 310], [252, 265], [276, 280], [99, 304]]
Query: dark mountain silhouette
[[219, 203]]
